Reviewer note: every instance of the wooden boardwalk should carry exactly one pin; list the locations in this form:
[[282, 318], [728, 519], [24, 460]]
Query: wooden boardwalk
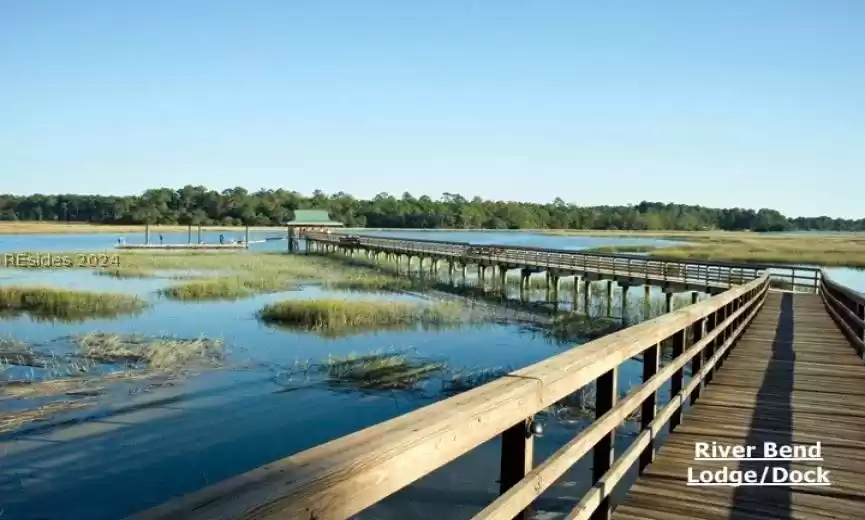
[[792, 378]]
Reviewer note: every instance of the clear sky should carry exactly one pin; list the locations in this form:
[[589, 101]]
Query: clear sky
[[713, 102]]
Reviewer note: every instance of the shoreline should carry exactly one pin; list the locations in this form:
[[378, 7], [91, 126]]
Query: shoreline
[[52, 228]]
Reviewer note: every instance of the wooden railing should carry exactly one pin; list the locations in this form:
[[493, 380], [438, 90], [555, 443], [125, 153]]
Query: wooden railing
[[343, 477], [722, 274], [847, 308]]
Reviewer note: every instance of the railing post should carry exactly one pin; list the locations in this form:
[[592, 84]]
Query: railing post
[[604, 451], [698, 328], [677, 381], [516, 461], [860, 331], [651, 359], [712, 322]]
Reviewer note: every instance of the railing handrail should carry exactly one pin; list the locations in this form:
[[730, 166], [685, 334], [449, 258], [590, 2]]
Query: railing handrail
[[847, 308], [347, 475]]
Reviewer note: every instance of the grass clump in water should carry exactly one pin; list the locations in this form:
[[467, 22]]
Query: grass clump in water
[[63, 304], [161, 353], [389, 370], [224, 288], [374, 283], [335, 316]]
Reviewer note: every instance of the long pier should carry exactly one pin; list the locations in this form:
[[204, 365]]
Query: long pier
[[491, 260], [766, 366]]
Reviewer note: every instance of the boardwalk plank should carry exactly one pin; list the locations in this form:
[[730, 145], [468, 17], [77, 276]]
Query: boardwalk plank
[[792, 379]]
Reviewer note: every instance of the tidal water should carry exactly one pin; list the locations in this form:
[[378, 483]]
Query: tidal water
[[138, 451]]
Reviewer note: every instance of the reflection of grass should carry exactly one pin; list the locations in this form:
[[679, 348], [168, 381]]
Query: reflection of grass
[[80, 386], [463, 381], [62, 304], [74, 380], [156, 353], [335, 316], [13, 420], [580, 405], [392, 370], [574, 327]]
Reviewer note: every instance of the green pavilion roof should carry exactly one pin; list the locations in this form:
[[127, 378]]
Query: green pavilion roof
[[312, 217]]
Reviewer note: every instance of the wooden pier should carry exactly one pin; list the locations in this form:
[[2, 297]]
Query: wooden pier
[[793, 379], [765, 366], [181, 247], [672, 275]]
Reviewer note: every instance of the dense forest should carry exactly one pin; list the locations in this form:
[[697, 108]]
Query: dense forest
[[237, 206]]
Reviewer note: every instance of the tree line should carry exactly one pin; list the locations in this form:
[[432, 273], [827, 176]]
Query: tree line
[[237, 206]]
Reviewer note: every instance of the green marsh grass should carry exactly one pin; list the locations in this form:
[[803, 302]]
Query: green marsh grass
[[333, 317], [225, 288], [66, 305], [845, 249]]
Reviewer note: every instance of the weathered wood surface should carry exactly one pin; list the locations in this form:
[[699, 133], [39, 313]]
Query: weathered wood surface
[[792, 378]]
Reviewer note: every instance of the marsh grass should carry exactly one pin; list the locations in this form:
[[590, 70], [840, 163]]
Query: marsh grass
[[340, 316], [235, 275], [226, 288], [847, 250], [375, 283], [66, 305]]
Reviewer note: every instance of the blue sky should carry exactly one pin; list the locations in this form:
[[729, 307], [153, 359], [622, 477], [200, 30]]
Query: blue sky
[[720, 103]]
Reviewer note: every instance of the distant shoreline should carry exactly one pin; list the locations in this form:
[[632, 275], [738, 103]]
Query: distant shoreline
[[50, 228]]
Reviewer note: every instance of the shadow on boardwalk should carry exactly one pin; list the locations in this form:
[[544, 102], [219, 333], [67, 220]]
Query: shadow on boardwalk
[[772, 420]]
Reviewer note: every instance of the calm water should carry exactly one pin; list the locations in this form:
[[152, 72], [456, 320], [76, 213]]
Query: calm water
[[146, 448]]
